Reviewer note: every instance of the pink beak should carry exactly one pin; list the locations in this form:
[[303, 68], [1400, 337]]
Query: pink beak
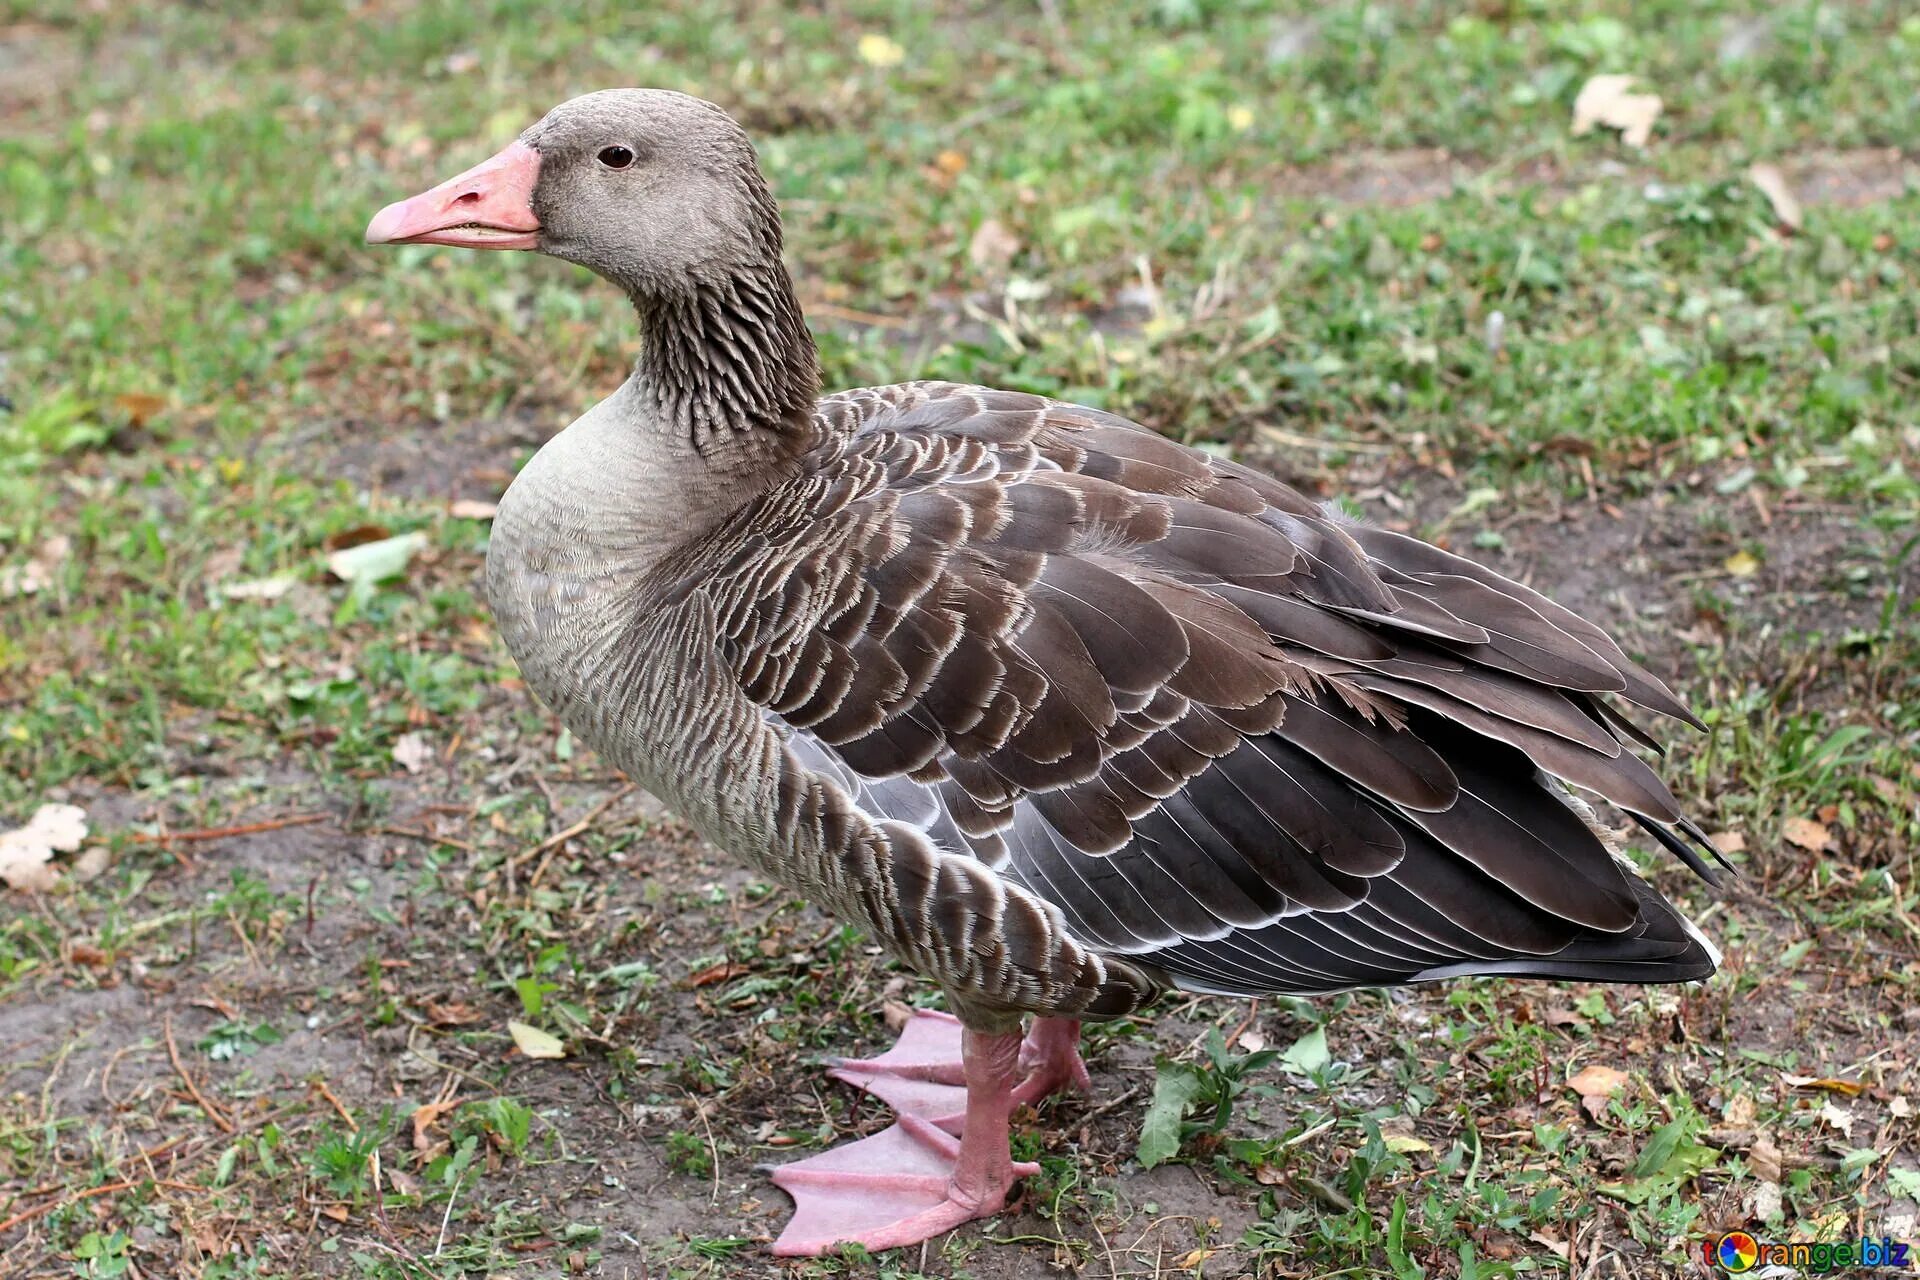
[[490, 206]]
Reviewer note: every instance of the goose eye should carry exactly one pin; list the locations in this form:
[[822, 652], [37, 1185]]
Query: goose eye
[[616, 157]]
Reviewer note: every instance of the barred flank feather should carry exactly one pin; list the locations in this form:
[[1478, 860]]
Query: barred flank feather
[[1066, 713]]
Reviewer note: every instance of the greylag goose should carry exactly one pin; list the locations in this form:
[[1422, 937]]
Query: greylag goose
[[1064, 714]]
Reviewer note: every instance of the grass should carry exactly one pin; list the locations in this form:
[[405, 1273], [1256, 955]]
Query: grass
[[1283, 235]]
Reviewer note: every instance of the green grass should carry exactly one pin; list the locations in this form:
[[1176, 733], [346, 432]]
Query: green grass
[[1281, 235]]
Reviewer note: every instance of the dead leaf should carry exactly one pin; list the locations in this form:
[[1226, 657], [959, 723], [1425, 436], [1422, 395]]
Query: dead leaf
[[413, 751], [1195, 1260], [992, 246], [1808, 834], [1830, 1084], [1739, 1110], [139, 406], [1764, 1159], [1742, 564], [535, 1043], [453, 1013], [1609, 101], [472, 509], [360, 533], [1596, 1084], [40, 570], [338, 1212], [1773, 185], [716, 973], [26, 853], [1559, 1017], [376, 561], [89, 955], [425, 1117], [1595, 1080], [1729, 841], [878, 51], [91, 862], [1765, 1203], [1900, 1108], [1838, 1119], [258, 588], [1559, 1247], [1250, 1042], [897, 1014]]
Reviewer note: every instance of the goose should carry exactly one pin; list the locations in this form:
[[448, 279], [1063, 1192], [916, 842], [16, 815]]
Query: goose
[[1064, 714]]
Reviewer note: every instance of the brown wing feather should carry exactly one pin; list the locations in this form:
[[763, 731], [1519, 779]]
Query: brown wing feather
[[1185, 705]]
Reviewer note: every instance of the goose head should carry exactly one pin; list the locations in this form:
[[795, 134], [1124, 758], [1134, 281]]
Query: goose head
[[655, 190]]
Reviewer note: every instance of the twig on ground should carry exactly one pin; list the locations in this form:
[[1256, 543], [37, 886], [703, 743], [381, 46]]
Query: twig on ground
[[223, 833], [104, 1189], [320, 1087], [214, 1113]]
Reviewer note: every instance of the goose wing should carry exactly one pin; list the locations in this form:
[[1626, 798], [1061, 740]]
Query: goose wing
[[1222, 729]]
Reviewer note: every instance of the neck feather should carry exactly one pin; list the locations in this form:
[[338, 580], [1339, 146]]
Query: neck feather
[[728, 364]]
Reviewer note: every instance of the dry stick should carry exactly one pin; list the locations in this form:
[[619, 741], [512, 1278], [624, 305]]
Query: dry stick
[[222, 833], [412, 834], [173, 1052], [559, 838], [320, 1086], [106, 1189]]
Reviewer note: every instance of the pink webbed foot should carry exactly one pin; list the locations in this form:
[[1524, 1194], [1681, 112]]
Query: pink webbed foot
[[922, 1074], [888, 1191], [916, 1180]]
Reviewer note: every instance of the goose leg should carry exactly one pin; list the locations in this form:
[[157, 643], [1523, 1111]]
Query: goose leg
[[922, 1074], [914, 1180]]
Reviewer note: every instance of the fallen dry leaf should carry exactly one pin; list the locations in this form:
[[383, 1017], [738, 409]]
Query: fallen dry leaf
[[139, 406], [1739, 1110], [1765, 1202], [534, 1042], [878, 51], [377, 560], [413, 751], [359, 534], [897, 1014], [454, 1013], [258, 588], [1729, 841], [1609, 101], [1764, 1159], [26, 853], [1742, 564], [716, 973], [425, 1117], [1558, 1246], [1838, 1119], [1808, 834], [1195, 1260], [1596, 1084], [89, 955], [472, 509], [1830, 1084], [992, 246], [1773, 185], [91, 862], [1596, 1079], [38, 573]]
